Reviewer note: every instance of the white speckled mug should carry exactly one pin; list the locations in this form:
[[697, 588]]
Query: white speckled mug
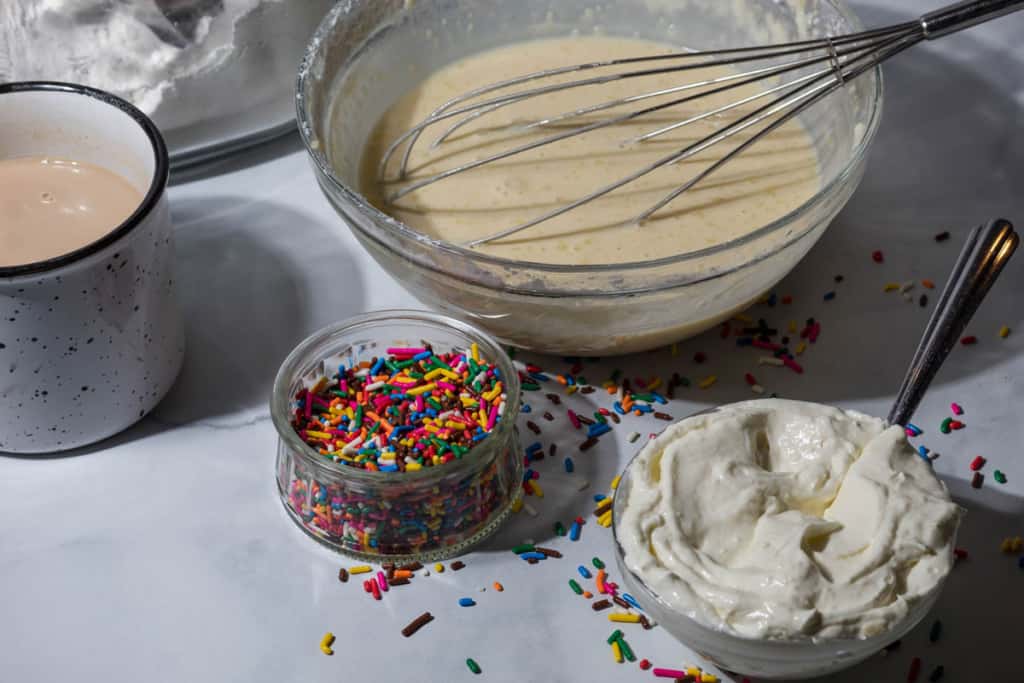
[[90, 341]]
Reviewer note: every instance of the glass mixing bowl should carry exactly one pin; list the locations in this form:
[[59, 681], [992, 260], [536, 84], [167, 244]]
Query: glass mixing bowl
[[760, 658], [366, 54]]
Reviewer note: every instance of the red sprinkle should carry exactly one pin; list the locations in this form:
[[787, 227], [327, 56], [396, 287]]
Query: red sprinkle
[[723, 334], [960, 553], [956, 424], [915, 669], [699, 357], [877, 256], [787, 299], [968, 340], [793, 365], [750, 379], [645, 664], [977, 463]]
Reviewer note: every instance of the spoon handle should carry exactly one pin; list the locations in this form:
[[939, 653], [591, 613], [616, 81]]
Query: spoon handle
[[987, 250]]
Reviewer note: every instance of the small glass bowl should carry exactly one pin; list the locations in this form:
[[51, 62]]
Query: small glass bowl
[[763, 659], [427, 515]]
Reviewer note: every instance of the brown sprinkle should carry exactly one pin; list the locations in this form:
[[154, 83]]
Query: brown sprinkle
[[585, 420], [603, 507], [343, 575], [663, 416], [553, 449], [548, 552], [533, 426], [588, 444], [600, 605], [457, 565], [548, 416], [646, 624], [397, 582], [554, 398], [587, 390], [411, 567], [615, 418], [532, 560], [620, 602], [417, 623]]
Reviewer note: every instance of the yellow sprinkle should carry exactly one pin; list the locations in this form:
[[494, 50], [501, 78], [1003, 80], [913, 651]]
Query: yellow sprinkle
[[605, 519], [517, 505], [536, 489], [693, 672], [318, 435], [360, 569], [705, 677], [891, 287], [475, 351], [617, 651], [624, 618], [707, 381], [569, 391], [743, 318], [675, 349], [422, 389], [413, 467], [1004, 332], [1016, 544], [792, 326], [651, 386], [1007, 545], [496, 391], [615, 482], [434, 374], [439, 568], [326, 642], [801, 347]]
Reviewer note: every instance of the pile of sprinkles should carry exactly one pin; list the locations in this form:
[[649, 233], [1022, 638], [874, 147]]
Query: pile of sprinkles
[[402, 412]]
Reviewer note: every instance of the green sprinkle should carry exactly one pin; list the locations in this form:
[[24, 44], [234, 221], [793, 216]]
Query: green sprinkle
[[647, 398], [936, 632], [511, 352], [524, 548], [530, 386], [616, 373], [616, 635], [559, 529], [999, 476], [598, 564], [944, 427], [581, 380], [575, 587], [473, 666], [627, 651], [600, 418]]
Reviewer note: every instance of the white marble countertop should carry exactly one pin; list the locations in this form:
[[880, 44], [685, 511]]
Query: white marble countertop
[[164, 554]]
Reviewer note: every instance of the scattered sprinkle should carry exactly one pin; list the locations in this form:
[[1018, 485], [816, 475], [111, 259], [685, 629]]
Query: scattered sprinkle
[[977, 480], [937, 674], [999, 476], [326, 642], [417, 623], [473, 666], [498, 587], [707, 381], [915, 669], [942, 236], [969, 340], [829, 296], [936, 632], [466, 602], [927, 284], [343, 575], [977, 463], [575, 587], [1004, 332], [877, 256]]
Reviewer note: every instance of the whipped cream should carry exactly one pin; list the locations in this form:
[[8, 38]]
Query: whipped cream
[[781, 519]]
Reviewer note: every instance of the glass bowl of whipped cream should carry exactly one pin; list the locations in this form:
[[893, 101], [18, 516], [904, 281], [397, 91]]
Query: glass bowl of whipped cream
[[783, 539], [590, 282]]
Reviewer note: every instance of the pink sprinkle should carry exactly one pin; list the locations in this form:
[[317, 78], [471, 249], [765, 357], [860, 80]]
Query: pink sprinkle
[[492, 417], [405, 351], [420, 405], [382, 581], [669, 673], [757, 343], [574, 420], [955, 407], [309, 404], [446, 385], [793, 365]]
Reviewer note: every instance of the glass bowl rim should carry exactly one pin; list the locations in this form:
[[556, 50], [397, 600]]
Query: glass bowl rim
[[280, 399], [395, 228]]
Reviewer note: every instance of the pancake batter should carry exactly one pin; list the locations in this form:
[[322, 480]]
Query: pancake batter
[[762, 184]]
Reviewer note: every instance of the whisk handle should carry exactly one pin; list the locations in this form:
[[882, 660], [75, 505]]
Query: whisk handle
[[963, 15]]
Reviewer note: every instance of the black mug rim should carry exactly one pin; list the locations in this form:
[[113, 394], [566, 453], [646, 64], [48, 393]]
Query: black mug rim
[[153, 194]]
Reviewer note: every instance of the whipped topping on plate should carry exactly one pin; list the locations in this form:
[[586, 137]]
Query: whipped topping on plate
[[782, 519]]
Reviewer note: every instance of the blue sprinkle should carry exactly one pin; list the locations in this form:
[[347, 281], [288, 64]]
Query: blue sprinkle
[[466, 602], [631, 600], [598, 497], [432, 412], [658, 398], [584, 572], [373, 542], [829, 296], [1020, 562], [744, 341], [922, 451], [534, 447], [914, 429], [533, 556], [771, 302], [539, 376], [598, 429], [569, 467], [574, 532], [643, 408], [526, 408], [527, 475], [422, 356], [497, 373], [377, 366], [618, 408], [570, 380]]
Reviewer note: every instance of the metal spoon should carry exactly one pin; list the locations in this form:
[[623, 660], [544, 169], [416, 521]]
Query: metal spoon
[[986, 251]]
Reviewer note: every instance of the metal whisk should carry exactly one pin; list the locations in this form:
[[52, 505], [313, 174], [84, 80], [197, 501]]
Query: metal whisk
[[830, 63]]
